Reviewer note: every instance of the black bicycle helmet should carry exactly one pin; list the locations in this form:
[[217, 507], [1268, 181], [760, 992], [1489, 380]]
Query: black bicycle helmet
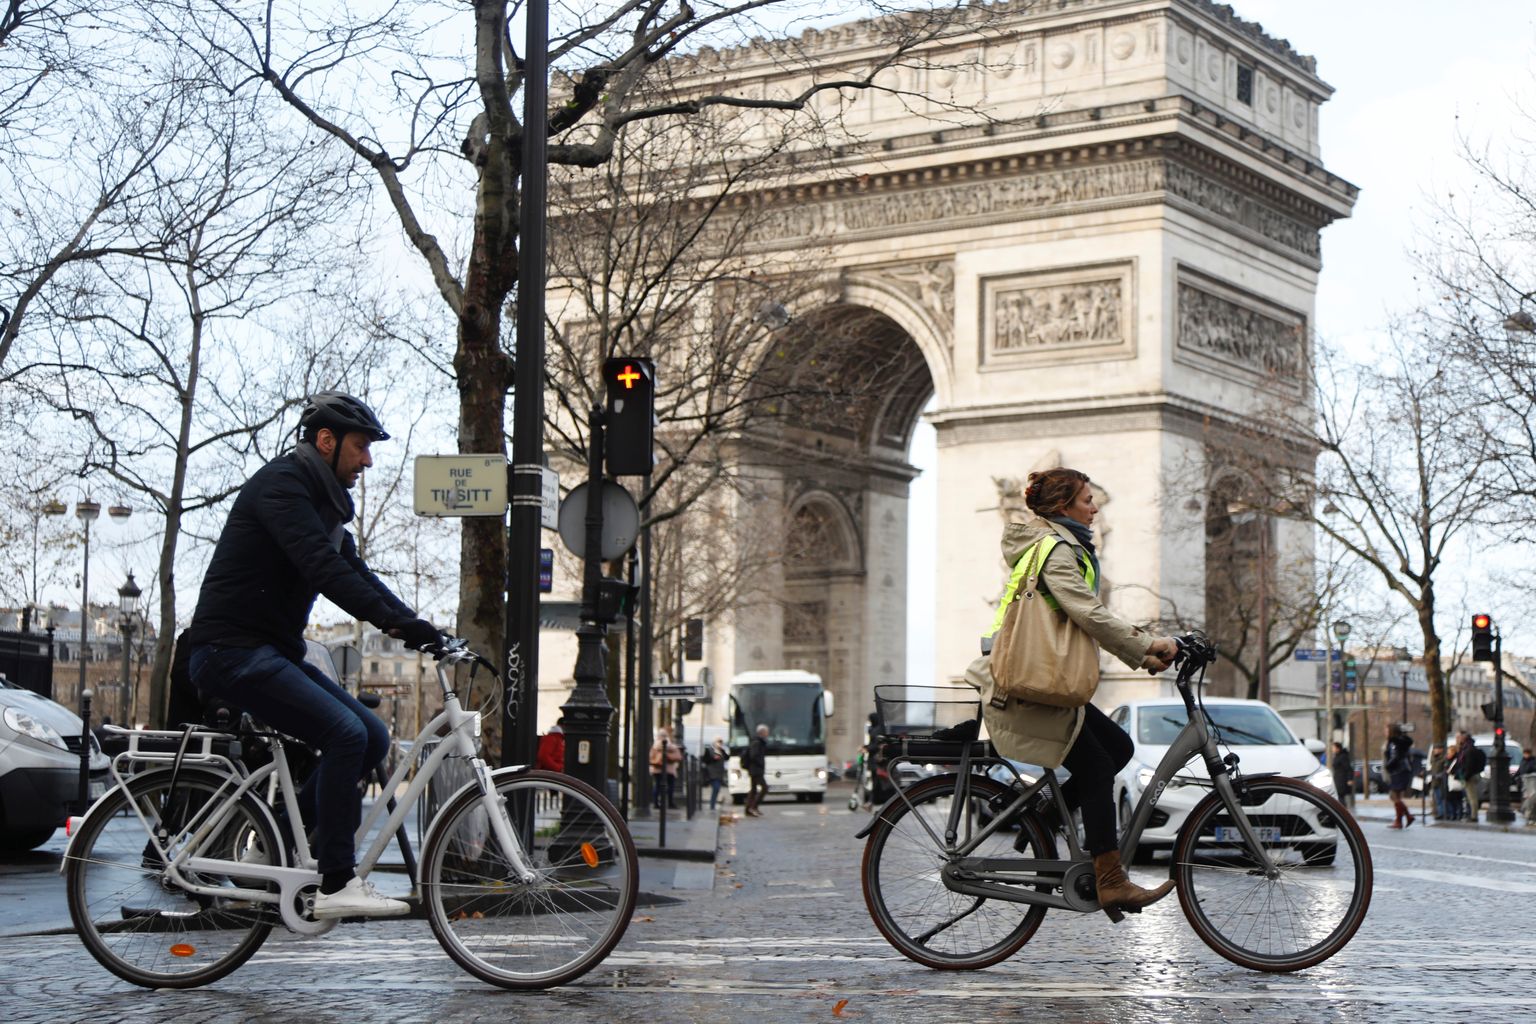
[[341, 413]]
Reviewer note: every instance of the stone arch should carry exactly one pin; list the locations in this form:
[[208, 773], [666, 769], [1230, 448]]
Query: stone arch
[[821, 538]]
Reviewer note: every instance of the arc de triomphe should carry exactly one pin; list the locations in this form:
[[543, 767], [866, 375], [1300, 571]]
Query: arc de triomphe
[[1118, 257]]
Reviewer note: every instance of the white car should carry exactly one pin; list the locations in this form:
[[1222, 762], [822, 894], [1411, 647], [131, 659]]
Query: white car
[[40, 767], [1250, 729]]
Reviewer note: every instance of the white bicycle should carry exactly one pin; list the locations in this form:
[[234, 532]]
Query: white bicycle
[[177, 875]]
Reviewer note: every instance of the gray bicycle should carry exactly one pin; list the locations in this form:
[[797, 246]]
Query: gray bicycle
[[959, 870]]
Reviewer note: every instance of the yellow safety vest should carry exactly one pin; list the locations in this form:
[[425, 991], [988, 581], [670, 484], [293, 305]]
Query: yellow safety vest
[[1036, 553]]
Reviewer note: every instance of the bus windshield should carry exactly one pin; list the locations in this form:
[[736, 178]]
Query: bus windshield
[[791, 711]]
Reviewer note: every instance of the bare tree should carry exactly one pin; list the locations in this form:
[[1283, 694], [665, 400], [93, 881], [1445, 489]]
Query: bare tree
[[1401, 473], [157, 357], [393, 90]]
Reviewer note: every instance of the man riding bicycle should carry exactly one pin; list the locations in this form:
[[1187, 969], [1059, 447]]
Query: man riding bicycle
[[285, 542]]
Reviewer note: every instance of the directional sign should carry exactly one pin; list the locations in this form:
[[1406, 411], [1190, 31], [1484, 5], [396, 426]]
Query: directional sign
[[677, 691], [549, 512], [461, 485]]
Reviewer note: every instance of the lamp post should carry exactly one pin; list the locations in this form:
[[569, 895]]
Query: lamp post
[[87, 511], [1404, 664], [1341, 630], [1242, 513], [127, 607]]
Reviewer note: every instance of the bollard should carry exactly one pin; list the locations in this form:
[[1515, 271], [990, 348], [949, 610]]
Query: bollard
[[85, 751]]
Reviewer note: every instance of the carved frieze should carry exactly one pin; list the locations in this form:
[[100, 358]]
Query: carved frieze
[[999, 197], [1060, 315], [1217, 322], [1230, 204]]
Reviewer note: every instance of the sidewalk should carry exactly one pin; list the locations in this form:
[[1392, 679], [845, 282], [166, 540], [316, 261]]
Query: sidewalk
[[687, 861], [1380, 809]]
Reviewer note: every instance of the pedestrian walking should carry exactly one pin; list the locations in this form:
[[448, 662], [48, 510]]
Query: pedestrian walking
[[551, 753], [665, 757], [1397, 765], [1437, 791], [754, 761], [714, 760], [1527, 777], [1343, 769], [1468, 767]]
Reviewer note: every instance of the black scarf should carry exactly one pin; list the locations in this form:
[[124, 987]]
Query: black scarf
[[314, 463], [1085, 535]]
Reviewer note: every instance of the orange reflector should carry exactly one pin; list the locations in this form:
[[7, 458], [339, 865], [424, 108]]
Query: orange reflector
[[182, 949], [589, 854]]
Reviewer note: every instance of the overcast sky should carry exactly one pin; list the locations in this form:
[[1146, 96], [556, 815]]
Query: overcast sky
[[1410, 77]]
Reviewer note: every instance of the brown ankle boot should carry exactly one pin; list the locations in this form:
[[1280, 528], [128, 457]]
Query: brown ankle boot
[[1117, 892]]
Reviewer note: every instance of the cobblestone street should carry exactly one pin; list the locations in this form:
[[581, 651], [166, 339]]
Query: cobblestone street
[[784, 936]]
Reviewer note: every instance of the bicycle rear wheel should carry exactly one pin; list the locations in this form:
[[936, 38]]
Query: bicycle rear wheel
[[540, 934], [905, 893], [141, 926], [1316, 900]]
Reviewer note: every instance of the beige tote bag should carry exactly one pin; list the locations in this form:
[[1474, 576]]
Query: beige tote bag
[[1039, 654]]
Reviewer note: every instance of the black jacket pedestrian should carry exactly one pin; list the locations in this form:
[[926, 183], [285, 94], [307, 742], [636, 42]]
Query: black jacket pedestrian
[[283, 544], [754, 760]]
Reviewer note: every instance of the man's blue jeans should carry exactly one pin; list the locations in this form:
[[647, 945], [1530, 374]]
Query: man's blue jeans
[[298, 700]]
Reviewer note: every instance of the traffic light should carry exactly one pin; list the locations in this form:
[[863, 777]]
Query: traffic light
[[630, 415], [1482, 638], [1491, 711], [615, 598], [693, 640]]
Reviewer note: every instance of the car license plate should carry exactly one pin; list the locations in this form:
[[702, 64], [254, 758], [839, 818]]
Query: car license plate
[[1230, 834]]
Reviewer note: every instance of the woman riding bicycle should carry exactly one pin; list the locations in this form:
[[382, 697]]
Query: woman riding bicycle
[[1083, 739]]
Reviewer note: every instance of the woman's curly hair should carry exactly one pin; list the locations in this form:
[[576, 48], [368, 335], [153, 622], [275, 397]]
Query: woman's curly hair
[[1053, 490]]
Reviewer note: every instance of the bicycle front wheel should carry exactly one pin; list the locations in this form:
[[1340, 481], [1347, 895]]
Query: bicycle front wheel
[[1319, 892], [136, 922], [904, 888], [519, 934]]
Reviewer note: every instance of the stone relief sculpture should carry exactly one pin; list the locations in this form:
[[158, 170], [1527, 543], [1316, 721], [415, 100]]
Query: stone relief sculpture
[[899, 210], [1218, 326], [1088, 312]]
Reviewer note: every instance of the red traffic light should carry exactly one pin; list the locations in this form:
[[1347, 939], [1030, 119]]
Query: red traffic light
[[1481, 622]]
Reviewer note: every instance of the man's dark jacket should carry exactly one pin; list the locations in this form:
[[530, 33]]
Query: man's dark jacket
[[755, 760], [283, 544]]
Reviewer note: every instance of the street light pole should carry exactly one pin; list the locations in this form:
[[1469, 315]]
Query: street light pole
[[1341, 630], [127, 604]]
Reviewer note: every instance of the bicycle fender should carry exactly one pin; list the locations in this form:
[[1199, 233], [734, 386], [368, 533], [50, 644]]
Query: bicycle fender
[[453, 798]]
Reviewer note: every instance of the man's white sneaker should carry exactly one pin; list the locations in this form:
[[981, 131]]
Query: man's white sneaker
[[358, 899]]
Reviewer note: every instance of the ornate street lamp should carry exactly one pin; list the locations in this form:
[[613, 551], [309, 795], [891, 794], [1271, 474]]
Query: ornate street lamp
[[127, 607]]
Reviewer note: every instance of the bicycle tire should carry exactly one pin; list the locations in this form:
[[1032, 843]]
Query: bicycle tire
[[141, 927], [926, 922], [1303, 916], [494, 926]]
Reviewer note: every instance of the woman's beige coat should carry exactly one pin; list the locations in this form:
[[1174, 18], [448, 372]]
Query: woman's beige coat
[[1038, 733]]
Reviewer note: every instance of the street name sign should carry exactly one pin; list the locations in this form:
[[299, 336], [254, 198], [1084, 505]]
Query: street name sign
[[677, 691], [461, 485], [1316, 654]]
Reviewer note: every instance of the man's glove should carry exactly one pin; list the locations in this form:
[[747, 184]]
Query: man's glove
[[417, 633]]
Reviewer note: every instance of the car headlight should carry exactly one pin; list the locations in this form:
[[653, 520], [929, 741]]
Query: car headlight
[[1144, 776], [1323, 780], [20, 722]]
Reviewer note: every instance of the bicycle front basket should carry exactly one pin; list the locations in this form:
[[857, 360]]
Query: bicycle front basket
[[920, 711]]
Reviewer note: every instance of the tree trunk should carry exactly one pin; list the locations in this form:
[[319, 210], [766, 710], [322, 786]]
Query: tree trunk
[[1434, 673]]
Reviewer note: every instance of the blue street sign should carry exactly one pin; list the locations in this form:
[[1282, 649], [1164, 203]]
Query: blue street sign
[[1316, 654]]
